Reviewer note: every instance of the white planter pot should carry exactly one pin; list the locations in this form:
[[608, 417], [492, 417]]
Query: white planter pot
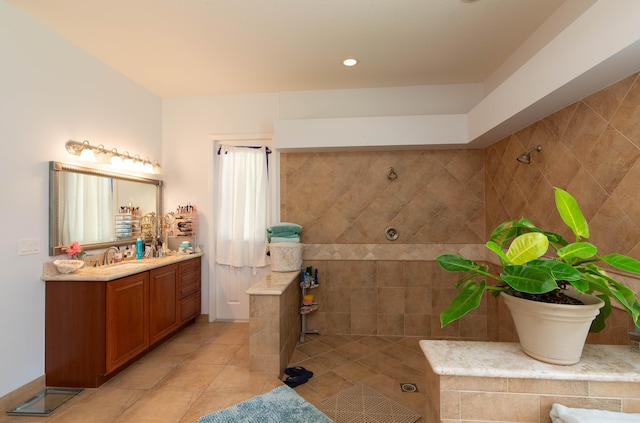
[[553, 333]]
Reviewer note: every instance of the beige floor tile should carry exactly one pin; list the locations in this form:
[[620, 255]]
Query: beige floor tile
[[310, 394], [334, 341], [331, 359], [314, 348], [377, 361], [190, 377], [159, 407], [241, 358], [354, 372], [354, 350], [216, 353], [373, 342], [238, 379], [312, 365], [328, 384], [172, 352], [104, 406], [206, 368], [199, 333], [141, 375]]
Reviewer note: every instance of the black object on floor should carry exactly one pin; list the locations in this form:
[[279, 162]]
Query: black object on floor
[[45, 403], [297, 376]]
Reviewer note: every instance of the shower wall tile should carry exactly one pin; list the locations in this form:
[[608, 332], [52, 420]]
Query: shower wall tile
[[347, 197], [448, 201], [591, 149]]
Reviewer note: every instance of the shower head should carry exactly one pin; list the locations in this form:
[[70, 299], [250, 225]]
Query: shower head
[[526, 157]]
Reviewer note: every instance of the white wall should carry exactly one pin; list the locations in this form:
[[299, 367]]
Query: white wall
[[50, 92]]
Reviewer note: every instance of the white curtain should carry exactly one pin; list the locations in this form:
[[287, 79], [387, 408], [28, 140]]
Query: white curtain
[[243, 204], [86, 209]]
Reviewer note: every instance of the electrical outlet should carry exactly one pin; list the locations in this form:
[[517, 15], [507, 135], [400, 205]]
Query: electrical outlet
[[28, 246]]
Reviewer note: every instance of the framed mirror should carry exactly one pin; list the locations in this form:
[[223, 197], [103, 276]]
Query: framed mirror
[[99, 208]]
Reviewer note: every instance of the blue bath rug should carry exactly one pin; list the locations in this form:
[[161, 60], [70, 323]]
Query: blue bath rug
[[281, 405]]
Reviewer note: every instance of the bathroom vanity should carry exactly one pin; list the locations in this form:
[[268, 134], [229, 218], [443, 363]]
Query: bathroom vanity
[[98, 320]]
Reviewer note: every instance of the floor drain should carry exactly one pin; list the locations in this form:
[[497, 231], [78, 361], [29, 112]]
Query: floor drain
[[408, 387]]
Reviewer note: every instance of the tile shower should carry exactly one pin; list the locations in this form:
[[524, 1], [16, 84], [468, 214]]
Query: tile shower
[[445, 199]]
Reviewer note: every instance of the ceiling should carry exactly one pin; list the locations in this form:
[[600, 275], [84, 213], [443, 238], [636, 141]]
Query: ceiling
[[205, 47]]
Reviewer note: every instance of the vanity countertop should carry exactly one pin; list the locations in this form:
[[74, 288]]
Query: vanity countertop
[[606, 363], [112, 271], [274, 283]]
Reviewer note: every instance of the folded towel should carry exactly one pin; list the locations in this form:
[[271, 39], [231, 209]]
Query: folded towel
[[283, 227], [291, 238], [283, 235], [561, 414]]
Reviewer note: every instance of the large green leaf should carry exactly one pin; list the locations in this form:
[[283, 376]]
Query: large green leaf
[[498, 251], [601, 282], [454, 263], [534, 280], [598, 323], [504, 232], [527, 247], [577, 249], [466, 300], [571, 214], [559, 270], [622, 262]]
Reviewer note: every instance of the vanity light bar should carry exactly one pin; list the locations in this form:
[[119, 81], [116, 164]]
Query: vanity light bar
[[89, 152]]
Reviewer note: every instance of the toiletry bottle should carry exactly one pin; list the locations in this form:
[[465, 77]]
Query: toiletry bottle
[[139, 249]]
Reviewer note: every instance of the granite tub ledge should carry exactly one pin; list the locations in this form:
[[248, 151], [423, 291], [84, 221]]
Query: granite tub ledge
[[112, 271], [275, 283], [605, 363]]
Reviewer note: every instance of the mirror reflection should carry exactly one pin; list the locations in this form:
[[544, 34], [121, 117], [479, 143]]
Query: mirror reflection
[[99, 209]]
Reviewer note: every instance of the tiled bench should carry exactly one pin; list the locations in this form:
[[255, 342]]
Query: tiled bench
[[274, 322], [496, 382]]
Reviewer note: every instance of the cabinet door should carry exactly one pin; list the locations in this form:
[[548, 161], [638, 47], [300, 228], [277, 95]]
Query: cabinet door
[[127, 310], [163, 296]]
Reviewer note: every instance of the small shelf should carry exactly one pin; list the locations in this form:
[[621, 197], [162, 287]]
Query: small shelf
[[306, 309], [307, 282]]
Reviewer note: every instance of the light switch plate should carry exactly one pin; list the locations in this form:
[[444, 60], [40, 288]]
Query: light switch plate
[[28, 246]]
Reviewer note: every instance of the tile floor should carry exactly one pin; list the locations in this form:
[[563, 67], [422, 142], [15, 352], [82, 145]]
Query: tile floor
[[205, 368]]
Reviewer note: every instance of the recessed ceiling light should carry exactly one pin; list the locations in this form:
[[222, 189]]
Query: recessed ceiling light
[[350, 62]]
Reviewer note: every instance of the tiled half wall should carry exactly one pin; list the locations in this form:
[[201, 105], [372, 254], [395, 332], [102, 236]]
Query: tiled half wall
[[447, 201]]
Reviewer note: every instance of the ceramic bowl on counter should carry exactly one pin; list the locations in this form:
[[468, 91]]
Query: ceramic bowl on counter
[[68, 266]]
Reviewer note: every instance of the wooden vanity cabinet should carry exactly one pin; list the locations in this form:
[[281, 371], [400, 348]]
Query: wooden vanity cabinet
[[127, 319], [95, 328], [164, 304]]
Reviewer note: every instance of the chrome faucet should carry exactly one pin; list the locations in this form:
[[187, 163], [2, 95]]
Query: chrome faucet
[[108, 259]]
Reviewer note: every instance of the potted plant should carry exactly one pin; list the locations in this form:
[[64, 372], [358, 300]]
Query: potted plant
[[531, 278]]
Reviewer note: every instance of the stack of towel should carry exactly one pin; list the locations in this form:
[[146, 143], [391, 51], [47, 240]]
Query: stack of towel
[[284, 232], [561, 414]]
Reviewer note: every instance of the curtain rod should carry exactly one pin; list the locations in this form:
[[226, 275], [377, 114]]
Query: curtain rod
[[247, 146]]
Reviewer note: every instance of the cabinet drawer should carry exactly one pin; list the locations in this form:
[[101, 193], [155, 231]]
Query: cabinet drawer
[[190, 307], [190, 265], [190, 276], [186, 290]]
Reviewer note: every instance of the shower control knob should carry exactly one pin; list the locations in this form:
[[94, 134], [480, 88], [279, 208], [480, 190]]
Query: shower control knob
[[391, 233]]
